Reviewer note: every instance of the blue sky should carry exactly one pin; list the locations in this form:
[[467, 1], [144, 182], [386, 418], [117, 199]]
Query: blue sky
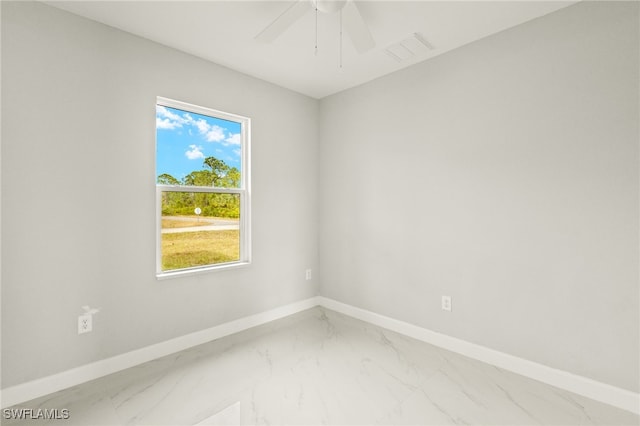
[[184, 139]]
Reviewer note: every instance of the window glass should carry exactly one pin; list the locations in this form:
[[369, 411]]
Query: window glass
[[201, 168]]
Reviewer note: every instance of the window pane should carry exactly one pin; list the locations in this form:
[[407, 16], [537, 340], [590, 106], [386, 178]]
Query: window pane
[[199, 228], [197, 150], [206, 153]]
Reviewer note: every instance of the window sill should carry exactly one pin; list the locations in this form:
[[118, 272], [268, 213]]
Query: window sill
[[200, 270]]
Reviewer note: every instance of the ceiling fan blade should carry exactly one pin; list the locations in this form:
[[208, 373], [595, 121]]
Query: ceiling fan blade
[[284, 21], [356, 28]]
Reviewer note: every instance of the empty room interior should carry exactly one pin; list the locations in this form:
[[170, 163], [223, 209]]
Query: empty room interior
[[320, 212]]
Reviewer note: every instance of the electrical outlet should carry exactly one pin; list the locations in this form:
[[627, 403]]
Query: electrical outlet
[[308, 274], [446, 303], [85, 323]]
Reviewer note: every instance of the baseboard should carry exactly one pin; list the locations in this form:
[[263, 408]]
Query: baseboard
[[598, 391], [617, 397], [46, 385]]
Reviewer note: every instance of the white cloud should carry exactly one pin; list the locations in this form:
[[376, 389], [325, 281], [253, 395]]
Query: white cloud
[[233, 139], [211, 133], [165, 123], [166, 119], [203, 126], [194, 153], [164, 112], [160, 110], [215, 134], [169, 120]]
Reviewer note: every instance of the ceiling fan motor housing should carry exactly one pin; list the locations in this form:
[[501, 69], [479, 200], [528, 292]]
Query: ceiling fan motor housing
[[329, 6]]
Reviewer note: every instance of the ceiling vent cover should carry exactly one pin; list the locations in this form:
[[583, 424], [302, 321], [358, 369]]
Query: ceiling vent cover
[[413, 46]]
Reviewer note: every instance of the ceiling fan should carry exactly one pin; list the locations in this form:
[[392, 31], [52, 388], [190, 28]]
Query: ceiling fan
[[351, 21]]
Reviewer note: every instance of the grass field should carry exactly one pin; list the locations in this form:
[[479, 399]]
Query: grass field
[[171, 223], [189, 249]]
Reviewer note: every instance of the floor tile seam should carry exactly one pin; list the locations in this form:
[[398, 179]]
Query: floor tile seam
[[115, 410]]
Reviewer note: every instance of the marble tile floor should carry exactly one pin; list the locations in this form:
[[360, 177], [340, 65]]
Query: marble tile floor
[[321, 367]]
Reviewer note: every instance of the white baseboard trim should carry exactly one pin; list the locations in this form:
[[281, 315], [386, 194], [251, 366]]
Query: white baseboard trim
[[56, 382], [580, 385], [598, 391]]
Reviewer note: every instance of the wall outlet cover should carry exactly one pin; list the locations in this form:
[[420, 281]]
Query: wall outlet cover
[[85, 323], [446, 303]]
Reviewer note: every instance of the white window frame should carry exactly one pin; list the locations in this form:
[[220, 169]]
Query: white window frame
[[243, 191]]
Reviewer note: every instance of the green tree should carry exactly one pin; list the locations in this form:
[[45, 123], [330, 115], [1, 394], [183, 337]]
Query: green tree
[[167, 179], [218, 169], [199, 178], [216, 173], [231, 179], [171, 201]]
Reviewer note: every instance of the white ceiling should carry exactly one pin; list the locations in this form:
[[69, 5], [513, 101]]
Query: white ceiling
[[223, 32]]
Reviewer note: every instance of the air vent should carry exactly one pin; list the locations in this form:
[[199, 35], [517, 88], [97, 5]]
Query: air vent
[[413, 46]]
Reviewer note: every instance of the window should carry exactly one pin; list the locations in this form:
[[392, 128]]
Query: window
[[202, 189]]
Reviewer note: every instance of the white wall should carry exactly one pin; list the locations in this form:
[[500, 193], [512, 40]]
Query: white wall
[[78, 193], [504, 174]]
